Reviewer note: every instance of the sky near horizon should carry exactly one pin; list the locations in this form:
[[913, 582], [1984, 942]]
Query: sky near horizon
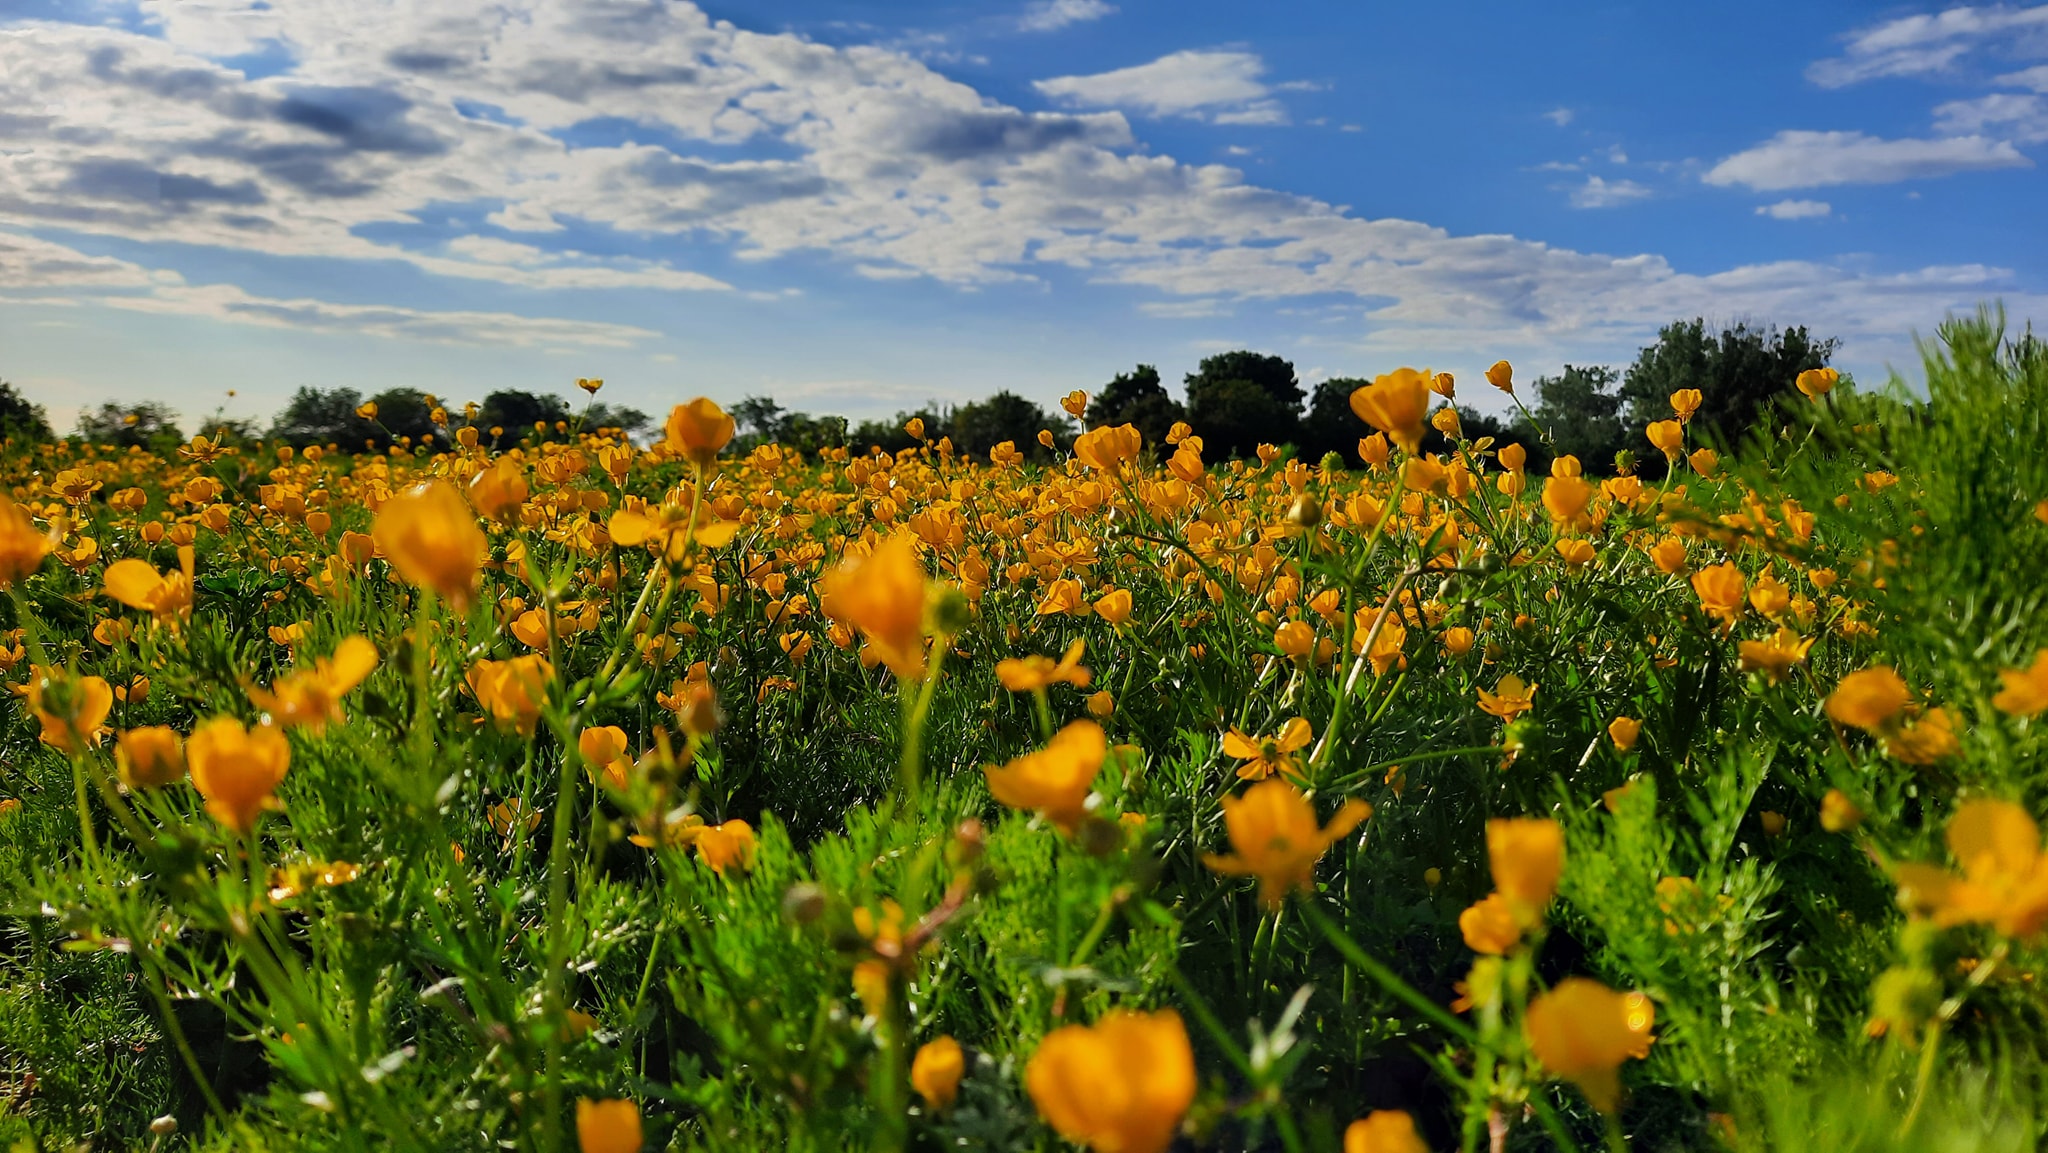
[[857, 207]]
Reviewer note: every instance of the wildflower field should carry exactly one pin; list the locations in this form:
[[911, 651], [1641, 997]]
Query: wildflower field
[[577, 794]]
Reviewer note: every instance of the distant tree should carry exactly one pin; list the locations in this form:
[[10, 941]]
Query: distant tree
[[148, 424], [1331, 426], [403, 414], [323, 416], [1238, 400], [19, 418], [1581, 410], [980, 425], [889, 435], [1739, 372], [630, 421], [508, 415], [758, 417], [1136, 398]]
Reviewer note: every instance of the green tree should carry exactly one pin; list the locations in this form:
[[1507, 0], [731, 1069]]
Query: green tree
[[1581, 410], [150, 424], [1136, 398], [508, 415], [980, 425], [1739, 373], [630, 421], [19, 418], [324, 416], [1330, 425], [1239, 400]]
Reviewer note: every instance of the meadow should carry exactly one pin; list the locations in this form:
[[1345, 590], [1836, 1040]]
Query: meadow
[[578, 794]]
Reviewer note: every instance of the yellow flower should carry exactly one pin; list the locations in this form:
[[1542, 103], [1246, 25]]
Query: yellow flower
[[2026, 690], [1509, 699], [1839, 814], [1721, 590], [1055, 779], [1575, 552], [605, 751], [1769, 595], [608, 1126], [2004, 881], [512, 691], [1668, 436], [1396, 404], [1105, 448], [1775, 655], [1384, 1130], [1458, 641], [312, 697], [1490, 926], [165, 596], [1527, 857], [1120, 1085], [1668, 555], [1064, 596], [883, 595], [1264, 756], [1035, 672], [1925, 739], [22, 548], [430, 535], [498, 491], [1075, 402], [1273, 830], [699, 431], [1817, 382], [1869, 699], [1704, 461], [936, 1071], [1582, 1031], [1685, 402], [1565, 498], [71, 709], [237, 770], [725, 845], [150, 757], [1623, 731], [1114, 606], [1502, 376]]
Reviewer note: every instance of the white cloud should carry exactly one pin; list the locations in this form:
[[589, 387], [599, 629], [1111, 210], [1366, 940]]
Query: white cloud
[[2023, 117], [2035, 78], [1048, 15], [1933, 44], [1217, 85], [1798, 159], [1598, 193], [1559, 116], [358, 150], [1795, 209], [31, 263]]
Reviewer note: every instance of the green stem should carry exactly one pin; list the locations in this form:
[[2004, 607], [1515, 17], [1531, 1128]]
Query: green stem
[[1386, 977]]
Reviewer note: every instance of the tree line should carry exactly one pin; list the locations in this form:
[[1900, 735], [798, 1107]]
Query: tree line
[[1235, 401]]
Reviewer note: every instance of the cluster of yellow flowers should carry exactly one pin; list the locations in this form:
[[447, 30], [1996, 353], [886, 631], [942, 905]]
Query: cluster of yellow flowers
[[533, 556]]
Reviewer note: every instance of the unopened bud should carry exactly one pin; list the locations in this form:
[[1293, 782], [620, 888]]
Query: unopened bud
[[803, 903], [1306, 511]]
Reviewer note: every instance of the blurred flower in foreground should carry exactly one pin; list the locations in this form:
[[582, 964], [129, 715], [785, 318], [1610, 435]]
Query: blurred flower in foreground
[[936, 1070], [883, 595], [1054, 780], [429, 534], [1120, 1085], [237, 769], [608, 1126], [1582, 1031]]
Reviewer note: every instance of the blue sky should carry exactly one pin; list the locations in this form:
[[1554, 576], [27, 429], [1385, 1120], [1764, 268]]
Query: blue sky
[[856, 207]]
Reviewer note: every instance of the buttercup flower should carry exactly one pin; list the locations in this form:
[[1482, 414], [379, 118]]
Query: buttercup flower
[[1623, 732], [150, 757], [165, 596], [2025, 691], [1264, 756], [1273, 830], [430, 535], [1054, 780], [1582, 1031], [936, 1071], [512, 691], [1036, 673], [1527, 858], [1396, 404], [608, 1126], [1384, 1131], [2004, 881], [1509, 699], [1120, 1085], [883, 595], [1868, 699], [71, 709], [312, 697], [237, 769], [1490, 926], [722, 846], [699, 431], [1105, 448], [1817, 382], [22, 548]]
